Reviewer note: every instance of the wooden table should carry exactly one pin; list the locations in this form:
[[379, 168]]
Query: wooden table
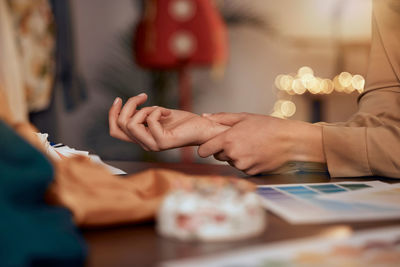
[[139, 244]]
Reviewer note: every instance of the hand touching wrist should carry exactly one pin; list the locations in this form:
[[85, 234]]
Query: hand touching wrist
[[257, 143]]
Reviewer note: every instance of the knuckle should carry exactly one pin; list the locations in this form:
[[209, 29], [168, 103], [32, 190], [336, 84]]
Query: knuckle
[[162, 145], [120, 122], [131, 128], [155, 148], [147, 109], [229, 138], [251, 172], [154, 114], [242, 165], [131, 99], [201, 152], [231, 152], [150, 118], [158, 110]]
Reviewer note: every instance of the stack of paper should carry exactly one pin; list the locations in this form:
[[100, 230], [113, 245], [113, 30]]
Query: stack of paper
[[57, 151]]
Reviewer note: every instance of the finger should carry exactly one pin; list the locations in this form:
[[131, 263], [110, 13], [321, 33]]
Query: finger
[[129, 110], [228, 119], [140, 117], [114, 129], [212, 146], [221, 156], [138, 130], [252, 171], [155, 127], [256, 168]]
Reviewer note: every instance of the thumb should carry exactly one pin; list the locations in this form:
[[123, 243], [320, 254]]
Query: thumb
[[225, 118]]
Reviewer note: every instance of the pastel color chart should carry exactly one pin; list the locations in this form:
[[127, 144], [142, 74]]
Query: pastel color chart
[[302, 203]]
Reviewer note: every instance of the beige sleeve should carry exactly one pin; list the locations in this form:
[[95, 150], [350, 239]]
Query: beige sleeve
[[369, 143]]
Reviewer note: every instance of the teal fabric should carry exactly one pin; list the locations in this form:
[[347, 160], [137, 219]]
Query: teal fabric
[[32, 233]]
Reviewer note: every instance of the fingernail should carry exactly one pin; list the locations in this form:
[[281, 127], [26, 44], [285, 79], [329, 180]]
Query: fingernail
[[116, 101], [142, 94], [206, 114]]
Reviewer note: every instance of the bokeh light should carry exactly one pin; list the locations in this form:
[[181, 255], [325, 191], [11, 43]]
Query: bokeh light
[[286, 82], [358, 82], [338, 86], [284, 109], [305, 81], [308, 80], [298, 87], [305, 70], [327, 86], [278, 81], [288, 108], [345, 79]]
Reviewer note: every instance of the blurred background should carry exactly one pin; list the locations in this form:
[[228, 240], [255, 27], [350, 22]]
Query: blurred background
[[94, 63]]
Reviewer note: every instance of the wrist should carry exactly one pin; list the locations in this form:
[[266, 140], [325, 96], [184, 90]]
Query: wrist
[[306, 143], [213, 129]]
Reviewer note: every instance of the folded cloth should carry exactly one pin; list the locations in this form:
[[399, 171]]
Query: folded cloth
[[32, 233], [97, 198]]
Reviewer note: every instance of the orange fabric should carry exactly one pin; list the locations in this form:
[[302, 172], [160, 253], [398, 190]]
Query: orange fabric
[[97, 198]]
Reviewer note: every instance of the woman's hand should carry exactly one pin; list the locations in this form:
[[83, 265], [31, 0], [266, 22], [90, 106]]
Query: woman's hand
[[259, 143], [156, 128]]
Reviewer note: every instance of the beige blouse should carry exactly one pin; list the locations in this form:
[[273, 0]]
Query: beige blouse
[[369, 142]]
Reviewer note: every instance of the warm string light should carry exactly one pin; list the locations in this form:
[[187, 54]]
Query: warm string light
[[284, 109], [305, 81]]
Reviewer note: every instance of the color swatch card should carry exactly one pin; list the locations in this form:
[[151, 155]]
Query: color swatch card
[[370, 248], [386, 197], [301, 203]]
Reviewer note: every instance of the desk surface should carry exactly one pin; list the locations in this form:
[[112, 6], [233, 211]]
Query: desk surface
[[139, 244]]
